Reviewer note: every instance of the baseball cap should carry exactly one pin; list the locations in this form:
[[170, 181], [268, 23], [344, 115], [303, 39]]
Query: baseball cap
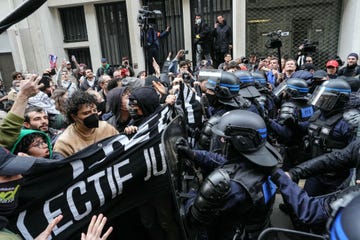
[[68, 62], [332, 63], [319, 74], [103, 60]]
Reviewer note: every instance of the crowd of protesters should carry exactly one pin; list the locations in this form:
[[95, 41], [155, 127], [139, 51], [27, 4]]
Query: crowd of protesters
[[308, 111]]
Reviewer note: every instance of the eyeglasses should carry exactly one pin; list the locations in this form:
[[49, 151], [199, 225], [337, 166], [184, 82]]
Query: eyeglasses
[[38, 144], [309, 61]]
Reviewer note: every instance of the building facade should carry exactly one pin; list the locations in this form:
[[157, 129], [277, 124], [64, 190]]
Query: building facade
[[92, 29]]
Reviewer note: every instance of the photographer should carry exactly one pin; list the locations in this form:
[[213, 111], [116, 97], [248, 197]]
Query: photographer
[[185, 74], [304, 52], [152, 42], [125, 65]]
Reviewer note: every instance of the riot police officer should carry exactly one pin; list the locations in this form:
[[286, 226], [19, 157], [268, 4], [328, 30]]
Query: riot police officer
[[222, 93], [266, 98], [236, 199], [250, 92], [327, 131], [290, 127]]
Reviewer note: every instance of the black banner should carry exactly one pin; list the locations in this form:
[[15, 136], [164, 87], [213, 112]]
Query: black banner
[[110, 177], [21, 12]]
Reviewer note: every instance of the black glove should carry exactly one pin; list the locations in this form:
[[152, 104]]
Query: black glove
[[183, 149]]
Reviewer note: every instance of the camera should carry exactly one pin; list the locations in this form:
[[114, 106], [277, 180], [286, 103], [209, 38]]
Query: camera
[[147, 18], [309, 47], [274, 40], [186, 77], [186, 52]]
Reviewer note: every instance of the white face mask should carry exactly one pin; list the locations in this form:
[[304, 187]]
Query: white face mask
[[198, 21]]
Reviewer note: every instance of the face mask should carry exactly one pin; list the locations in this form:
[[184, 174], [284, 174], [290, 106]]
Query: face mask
[[211, 98], [92, 121], [198, 21], [9, 193], [133, 113], [17, 89]]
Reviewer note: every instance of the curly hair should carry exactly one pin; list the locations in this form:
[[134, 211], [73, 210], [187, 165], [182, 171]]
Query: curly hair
[[26, 141], [76, 101]]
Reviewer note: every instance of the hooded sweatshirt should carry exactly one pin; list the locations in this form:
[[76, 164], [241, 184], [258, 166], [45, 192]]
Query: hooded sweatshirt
[[25, 132]]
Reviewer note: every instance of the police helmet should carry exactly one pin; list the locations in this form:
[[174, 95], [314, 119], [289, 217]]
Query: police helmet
[[245, 78], [331, 95], [246, 132], [295, 88], [344, 222], [260, 78], [225, 85]]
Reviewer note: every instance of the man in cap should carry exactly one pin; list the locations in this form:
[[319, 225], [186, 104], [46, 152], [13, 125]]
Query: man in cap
[[105, 68], [332, 68], [352, 68]]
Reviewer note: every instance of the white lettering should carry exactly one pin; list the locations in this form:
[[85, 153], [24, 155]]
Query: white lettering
[[51, 215], [148, 165], [111, 182], [98, 189], [21, 226], [82, 187], [154, 165], [120, 180], [78, 168]]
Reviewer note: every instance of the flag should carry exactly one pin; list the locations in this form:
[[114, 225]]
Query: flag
[[110, 177], [188, 102], [53, 59]]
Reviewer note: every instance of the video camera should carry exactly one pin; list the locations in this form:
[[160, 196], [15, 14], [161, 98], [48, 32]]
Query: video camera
[[274, 40], [147, 18], [309, 47]]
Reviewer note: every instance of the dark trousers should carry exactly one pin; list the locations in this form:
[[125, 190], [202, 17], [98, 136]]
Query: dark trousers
[[152, 52], [157, 215]]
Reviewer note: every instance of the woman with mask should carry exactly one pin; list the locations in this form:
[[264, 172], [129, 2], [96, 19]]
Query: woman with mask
[[85, 127]]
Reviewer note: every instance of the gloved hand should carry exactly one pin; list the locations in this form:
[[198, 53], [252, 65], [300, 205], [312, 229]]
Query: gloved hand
[[183, 149]]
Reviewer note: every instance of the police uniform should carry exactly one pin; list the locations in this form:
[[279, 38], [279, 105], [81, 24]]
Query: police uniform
[[235, 200]]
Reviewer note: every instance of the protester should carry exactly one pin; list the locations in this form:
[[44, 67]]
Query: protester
[[85, 128]]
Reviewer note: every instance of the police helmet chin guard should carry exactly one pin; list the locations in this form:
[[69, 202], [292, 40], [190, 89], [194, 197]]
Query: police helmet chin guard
[[246, 132], [344, 223], [331, 95]]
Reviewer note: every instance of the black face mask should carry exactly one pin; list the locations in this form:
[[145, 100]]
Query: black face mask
[[133, 113], [212, 99], [9, 194], [92, 121]]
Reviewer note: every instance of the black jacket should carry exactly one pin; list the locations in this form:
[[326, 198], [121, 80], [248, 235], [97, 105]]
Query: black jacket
[[346, 158]]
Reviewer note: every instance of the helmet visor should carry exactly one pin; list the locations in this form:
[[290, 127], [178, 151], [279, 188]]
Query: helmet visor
[[323, 99], [280, 89]]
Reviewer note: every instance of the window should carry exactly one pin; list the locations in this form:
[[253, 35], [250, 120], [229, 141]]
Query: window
[[73, 24]]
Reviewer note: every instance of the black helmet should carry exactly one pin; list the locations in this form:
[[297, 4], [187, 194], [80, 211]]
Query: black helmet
[[344, 224], [225, 85], [259, 78], [247, 85], [246, 79], [331, 95], [246, 132], [295, 88]]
